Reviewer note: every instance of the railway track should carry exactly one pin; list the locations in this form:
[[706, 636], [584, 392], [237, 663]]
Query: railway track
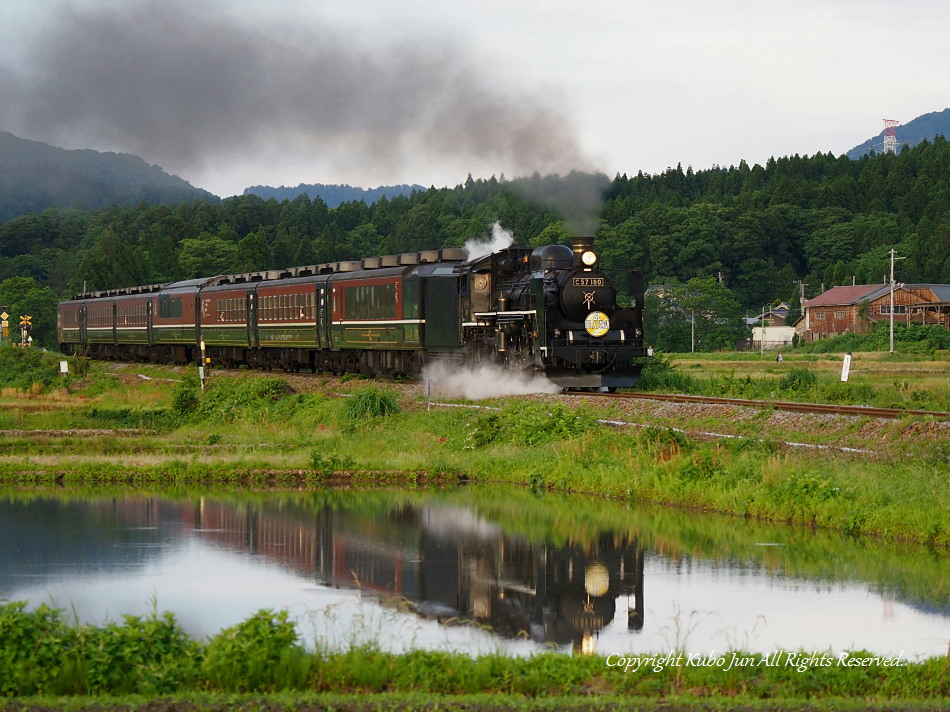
[[854, 410]]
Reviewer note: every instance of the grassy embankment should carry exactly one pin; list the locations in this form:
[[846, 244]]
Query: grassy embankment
[[160, 429], [44, 657]]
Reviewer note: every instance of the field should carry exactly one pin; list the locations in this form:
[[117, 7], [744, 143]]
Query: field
[[153, 428], [911, 381]]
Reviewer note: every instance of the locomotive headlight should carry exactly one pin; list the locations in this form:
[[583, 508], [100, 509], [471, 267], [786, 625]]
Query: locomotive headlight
[[596, 579], [589, 258]]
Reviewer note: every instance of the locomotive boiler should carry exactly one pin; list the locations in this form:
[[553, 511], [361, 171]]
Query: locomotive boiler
[[549, 310]]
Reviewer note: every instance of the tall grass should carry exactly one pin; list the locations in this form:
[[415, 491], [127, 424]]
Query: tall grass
[[43, 655], [371, 402]]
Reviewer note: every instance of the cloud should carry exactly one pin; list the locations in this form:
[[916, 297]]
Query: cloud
[[186, 85]]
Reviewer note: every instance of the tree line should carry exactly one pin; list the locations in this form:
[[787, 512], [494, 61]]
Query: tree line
[[755, 232]]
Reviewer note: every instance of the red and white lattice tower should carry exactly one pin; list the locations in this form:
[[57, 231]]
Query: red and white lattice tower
[[890, 135]]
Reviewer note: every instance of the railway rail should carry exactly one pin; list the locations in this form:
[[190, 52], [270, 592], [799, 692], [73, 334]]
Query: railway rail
[[853, 410]]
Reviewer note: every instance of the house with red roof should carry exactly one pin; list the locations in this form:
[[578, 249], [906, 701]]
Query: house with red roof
[[857, 307]]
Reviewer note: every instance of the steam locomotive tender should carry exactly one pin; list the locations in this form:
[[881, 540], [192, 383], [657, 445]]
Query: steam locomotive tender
[[548, 310]]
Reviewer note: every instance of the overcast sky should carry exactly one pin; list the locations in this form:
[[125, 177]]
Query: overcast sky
[[232, 93]]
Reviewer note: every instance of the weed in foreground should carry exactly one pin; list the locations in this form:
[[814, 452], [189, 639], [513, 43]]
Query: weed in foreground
[[372, 402]]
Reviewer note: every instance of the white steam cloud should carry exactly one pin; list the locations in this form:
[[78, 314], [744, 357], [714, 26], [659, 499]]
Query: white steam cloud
[[481, 382], [500, 239]]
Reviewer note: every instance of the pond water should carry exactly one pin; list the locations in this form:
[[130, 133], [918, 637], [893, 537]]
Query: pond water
[[474, 570]]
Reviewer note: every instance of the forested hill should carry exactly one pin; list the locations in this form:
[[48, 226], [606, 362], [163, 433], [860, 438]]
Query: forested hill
[[35, 176], [923, 128], [753, 231], [332, 195]]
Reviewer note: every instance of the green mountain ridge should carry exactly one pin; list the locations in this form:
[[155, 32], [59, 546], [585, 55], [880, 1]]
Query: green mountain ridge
[[924, 128], [35, 176]]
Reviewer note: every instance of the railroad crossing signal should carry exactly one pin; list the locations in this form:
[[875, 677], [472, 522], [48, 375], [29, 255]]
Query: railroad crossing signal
[[26, 323]]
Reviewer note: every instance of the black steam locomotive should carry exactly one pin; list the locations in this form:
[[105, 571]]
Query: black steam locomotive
[[549, 310]]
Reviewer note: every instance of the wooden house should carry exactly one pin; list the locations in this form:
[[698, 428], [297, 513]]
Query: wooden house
[[856, 308]]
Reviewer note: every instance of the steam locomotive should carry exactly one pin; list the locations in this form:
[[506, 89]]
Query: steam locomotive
[[548, 310]]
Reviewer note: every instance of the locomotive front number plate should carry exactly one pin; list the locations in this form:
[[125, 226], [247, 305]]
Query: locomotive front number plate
[[587, 282]]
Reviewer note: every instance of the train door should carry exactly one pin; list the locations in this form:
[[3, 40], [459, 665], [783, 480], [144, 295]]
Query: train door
[[313, 311], [252, 339], [83, 339], [443, 322], [323, 315], [200, 303], [148, 323]]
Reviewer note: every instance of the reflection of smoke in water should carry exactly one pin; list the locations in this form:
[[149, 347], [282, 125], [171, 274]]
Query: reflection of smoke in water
[[500, 239], [484, 381]]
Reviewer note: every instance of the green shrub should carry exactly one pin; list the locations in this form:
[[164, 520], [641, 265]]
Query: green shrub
[[659, 376], [33, 647], [259, 654], [151, 655], [22, 368], [186, 394], [371, 403], [225, 399], [527, 423], [326, 465], [482, 431], [798, 381]]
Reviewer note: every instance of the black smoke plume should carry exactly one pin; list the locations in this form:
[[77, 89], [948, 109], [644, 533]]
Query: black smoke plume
[[187, 84]]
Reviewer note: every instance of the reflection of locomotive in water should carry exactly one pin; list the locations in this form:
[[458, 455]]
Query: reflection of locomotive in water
[[450, 565], [549, 309]]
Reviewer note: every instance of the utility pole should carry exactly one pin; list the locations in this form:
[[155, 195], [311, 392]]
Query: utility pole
[[762, 334], [893, 253], [692, 331], [801, 297], [801, 291]]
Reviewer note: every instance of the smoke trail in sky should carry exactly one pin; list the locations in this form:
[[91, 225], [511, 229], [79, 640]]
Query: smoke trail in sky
[[577, 198], [500, 239], [187, 84]]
